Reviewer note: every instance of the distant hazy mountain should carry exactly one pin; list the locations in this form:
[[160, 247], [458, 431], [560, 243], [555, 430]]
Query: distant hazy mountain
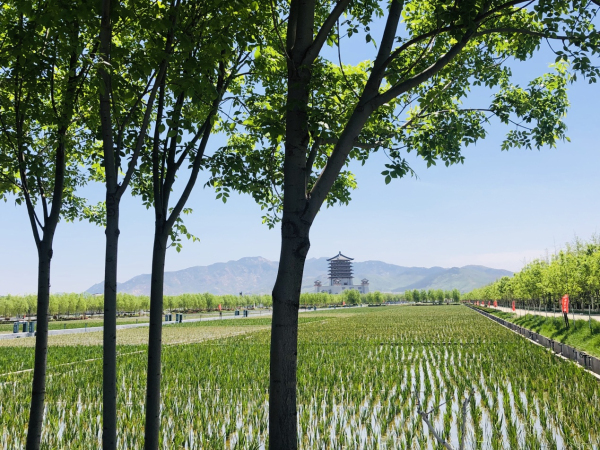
[[256, 275]]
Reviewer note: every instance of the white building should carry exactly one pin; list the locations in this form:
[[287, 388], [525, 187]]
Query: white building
[[340, 277]]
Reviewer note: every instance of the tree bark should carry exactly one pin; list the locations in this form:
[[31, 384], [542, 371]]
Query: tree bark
[[38, 392], [109, 368], [284, 335], [155, 339]]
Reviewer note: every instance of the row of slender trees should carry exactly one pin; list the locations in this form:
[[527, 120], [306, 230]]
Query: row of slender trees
[[573, 270], [432, 295], [78, 304], [128, 93], [66, 304]]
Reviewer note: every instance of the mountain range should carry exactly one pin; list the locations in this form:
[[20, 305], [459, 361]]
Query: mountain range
[[256, 275]]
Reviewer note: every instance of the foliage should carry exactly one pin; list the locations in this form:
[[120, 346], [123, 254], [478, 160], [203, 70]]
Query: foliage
[[574, 270], [417, 99], [66, 304], [432, 295], [45, 58]]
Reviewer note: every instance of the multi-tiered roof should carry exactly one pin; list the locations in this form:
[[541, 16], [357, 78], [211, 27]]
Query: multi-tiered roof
[[340, 267]]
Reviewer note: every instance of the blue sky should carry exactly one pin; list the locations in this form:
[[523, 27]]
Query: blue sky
[[498, 209]]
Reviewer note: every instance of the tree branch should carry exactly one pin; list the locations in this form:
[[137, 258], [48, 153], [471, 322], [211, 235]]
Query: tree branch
[[339, 52], [302, 30], [33, 218], [110, 166], [315, 48], [356, 144], [221, 87], [43, 197], [292, 27], [415, 81], [168, 177], [385, 48], [137, 102], [150, 105], [527, 32], [158, 204], [438, 31], [312, 155], [276, 28]]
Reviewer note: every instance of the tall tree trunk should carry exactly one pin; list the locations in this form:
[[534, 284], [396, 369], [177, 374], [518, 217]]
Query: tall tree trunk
[[38, 393], [109, 369], [284, 335], [155, 339], [283, 434]]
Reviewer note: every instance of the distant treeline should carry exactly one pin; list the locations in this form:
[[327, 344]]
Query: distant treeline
[[67, 304], [574, 270], [432, 295]]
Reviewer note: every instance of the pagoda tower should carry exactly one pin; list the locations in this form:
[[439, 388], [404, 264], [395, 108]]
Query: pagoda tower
[[341, 276], [340, 270]]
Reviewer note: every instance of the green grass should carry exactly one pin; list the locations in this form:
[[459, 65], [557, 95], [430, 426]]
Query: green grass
[[579, 334]]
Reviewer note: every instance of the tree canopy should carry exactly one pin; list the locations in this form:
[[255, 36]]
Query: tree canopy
[[423, 103], [573, 270]]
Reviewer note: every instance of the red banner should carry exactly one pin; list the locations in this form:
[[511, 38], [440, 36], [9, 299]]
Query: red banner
[[495, 303], [513, 305], [219, 307], [565, 304]]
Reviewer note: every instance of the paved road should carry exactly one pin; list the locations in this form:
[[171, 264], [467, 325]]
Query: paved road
[[254, 314], [523, 312], [131, 325]]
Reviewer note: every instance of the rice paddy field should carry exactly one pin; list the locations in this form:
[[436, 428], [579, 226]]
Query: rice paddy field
[[362, 374]]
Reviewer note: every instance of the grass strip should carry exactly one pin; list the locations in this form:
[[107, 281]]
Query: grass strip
[[582, 334]]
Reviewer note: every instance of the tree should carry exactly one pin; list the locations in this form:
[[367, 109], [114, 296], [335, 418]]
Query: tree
[[455, 295], [131, 67], [573, 270], [210, 45], [408, 98], [439, 295], [352, 296], [431, 295], [44, 65], [416, 295]]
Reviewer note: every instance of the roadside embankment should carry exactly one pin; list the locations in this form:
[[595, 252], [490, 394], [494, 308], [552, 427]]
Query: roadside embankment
[[577, 355]]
